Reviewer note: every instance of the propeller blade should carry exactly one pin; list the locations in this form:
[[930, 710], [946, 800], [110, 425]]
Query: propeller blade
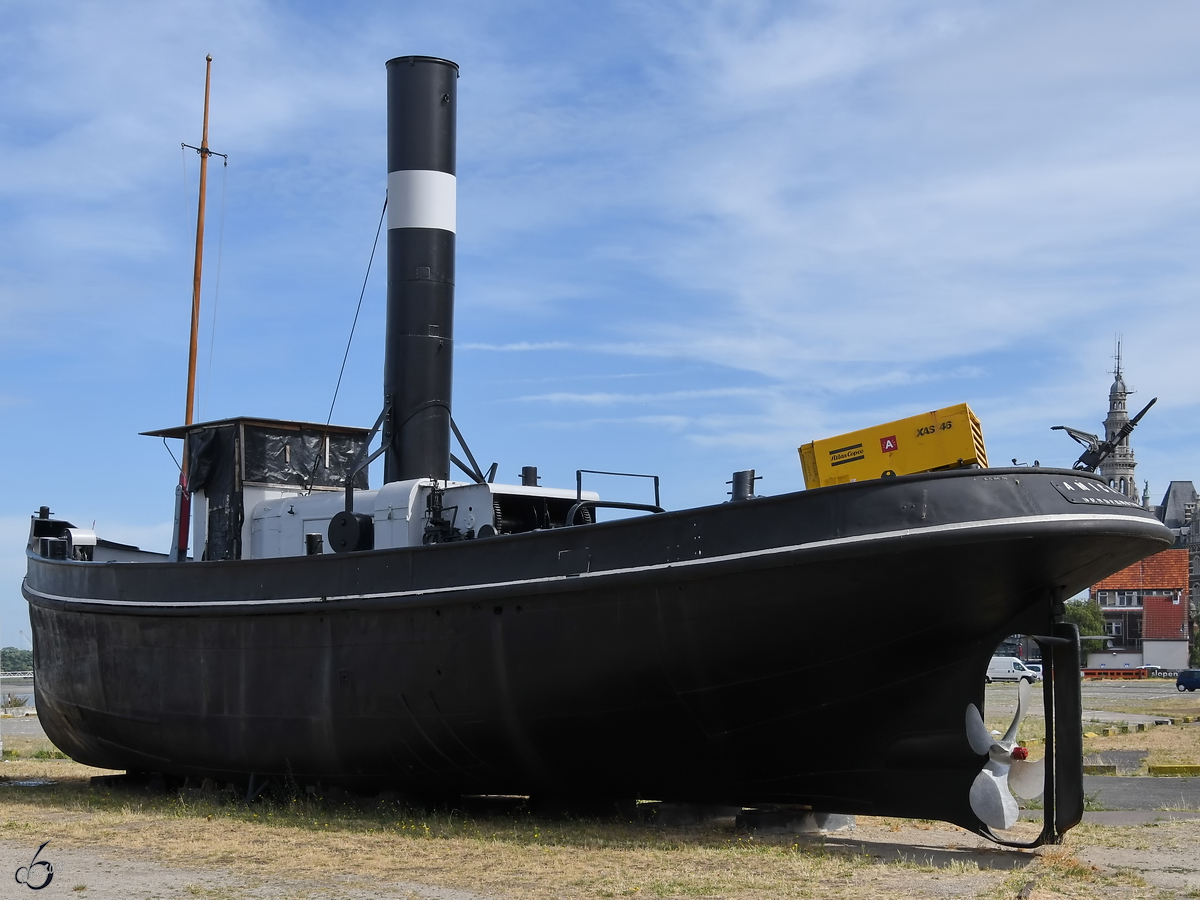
[[1026, 778], [978, 736], [1023, 691], [991, 800]]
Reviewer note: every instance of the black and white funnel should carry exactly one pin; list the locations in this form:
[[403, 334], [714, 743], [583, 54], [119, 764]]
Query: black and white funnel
[[421, 219]]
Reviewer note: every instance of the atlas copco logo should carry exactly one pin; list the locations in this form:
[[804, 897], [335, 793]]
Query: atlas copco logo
[[887, 444]]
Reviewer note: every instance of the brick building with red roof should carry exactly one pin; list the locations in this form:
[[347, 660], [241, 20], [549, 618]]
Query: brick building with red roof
[[1145, 609]]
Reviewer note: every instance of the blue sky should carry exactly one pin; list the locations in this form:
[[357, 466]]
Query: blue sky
[[691, 236]]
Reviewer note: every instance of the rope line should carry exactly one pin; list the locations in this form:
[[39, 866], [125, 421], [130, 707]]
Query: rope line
[[354, 324], [172, 452]]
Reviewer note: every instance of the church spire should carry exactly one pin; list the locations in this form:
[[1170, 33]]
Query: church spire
[[1119, 467]]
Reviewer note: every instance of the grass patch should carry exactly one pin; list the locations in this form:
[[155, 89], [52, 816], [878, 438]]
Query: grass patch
[[1058, 872], [1165, 744], [21, 746], [31, 753], [332, 838], [1184, 704], [318, 841], [1091, 802], [48, 754]]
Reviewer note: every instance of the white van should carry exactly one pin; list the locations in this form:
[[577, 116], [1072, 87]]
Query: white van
[[1008, 668]]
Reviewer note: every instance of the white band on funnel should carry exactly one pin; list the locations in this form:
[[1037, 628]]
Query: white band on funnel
[[421, 198]]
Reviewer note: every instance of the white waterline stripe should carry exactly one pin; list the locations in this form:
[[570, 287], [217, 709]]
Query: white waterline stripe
[[684, 563], [422, 198]]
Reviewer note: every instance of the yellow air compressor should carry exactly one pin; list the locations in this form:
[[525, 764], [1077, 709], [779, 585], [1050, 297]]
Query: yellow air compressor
[[949, 438]]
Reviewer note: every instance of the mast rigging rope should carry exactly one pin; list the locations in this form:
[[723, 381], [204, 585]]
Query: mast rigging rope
[[358, 309]]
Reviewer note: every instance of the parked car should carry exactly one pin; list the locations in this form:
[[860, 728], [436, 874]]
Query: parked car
[[1187, 680], [1035, 668], [1008, 668]]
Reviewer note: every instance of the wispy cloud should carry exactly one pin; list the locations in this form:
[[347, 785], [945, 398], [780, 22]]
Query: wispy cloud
[[603, 398]]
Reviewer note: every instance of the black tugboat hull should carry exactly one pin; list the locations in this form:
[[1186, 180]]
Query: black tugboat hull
[[816, 648]]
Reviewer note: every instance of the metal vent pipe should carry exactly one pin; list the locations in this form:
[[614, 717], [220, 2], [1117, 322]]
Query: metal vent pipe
[[421, 214], [743, 484]]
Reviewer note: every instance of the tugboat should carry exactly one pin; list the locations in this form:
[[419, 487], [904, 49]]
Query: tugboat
[[443, 637]]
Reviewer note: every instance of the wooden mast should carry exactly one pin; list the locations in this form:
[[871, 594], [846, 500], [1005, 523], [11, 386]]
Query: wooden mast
[[183, 497], [204, 155]]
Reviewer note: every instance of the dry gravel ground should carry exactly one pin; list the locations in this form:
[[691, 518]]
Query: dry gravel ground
[[108, 842], [128, 843]]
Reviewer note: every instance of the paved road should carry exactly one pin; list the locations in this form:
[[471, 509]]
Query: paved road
[[1141, 792], [1099, 698], [1122, 690], [25, 726]]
